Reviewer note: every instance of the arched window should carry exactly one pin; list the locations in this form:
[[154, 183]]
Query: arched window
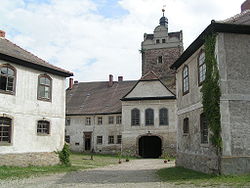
[[201, 68], [163, 116], [7, 78], [43, 127], [5, 130], [149, 116], [203, 129], [186, 126], [185, 80], [44, 87], [135, 117]]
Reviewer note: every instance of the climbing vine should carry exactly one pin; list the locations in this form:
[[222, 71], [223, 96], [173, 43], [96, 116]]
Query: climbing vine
[[211, 93]]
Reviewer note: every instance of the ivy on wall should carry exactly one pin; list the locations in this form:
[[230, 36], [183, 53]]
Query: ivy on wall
[[211, 93]]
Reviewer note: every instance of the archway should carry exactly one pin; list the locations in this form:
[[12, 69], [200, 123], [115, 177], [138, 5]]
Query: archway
[[150, 147]]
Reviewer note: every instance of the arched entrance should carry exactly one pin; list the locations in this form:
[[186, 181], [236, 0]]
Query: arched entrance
[[150, 146]]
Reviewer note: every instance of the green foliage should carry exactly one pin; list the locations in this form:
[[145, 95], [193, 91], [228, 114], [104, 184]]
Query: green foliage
[[211, 93], [64, 155]]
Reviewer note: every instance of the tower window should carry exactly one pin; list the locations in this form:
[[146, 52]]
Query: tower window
[[163, 40], [159, 59], [157, 41]]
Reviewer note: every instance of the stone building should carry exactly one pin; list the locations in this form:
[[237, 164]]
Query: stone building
[[232, 51], [94, 109], [32, 107], [160, 50]]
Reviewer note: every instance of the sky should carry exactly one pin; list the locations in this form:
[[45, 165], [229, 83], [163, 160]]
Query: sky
[[95, 38]]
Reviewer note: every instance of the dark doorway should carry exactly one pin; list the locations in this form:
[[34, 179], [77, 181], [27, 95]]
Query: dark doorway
[[150, 147], [87, 141]]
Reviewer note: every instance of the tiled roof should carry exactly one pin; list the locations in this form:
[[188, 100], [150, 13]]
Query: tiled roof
[[96, 97], [12, 52], [242, 18]]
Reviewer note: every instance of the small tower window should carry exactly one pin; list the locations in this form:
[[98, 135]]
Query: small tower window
[[163, 40], [157, 41], [159, 59]]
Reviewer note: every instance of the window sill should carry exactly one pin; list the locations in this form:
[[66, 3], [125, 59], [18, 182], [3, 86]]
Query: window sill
[[149, 125], [135, 125], [164, 125], [204, 145], [185, 134], [185, 93], [5, 144], [44, 99], [7, 92], [42, 134]]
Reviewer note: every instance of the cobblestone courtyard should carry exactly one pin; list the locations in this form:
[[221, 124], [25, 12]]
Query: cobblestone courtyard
[[136, 173]]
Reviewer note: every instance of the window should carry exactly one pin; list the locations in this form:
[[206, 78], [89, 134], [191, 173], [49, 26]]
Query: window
[[149, 117], [44, 87], [99, 140], [163, 40], [119, 139], [99, 120], [135, 117], [67, 121], [118, 119], [7, 79], [185, 80], [88, 121], [43, 127], [159, 59], [157, 41], [111, 140], [201, 68], [186, 126], [5, 130], [163, 116], [111, 119], [67, 139], [204, 129]]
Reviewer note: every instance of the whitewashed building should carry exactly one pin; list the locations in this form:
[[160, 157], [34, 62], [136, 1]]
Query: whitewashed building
[[32, 107]]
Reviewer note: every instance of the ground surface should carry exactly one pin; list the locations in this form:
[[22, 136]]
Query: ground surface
[[136, 173]]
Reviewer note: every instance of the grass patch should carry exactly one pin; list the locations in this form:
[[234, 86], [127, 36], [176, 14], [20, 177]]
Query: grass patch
[[79, 161], [179, 175]]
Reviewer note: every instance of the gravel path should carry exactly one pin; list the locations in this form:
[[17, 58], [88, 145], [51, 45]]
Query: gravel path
[[136, 174]]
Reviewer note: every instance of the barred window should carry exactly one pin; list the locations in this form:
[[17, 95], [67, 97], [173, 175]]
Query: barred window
[[201, 68], [135, 117], [163, 116], [203, 129], [111, 140], [185, 80], [149, 116], [5, 130], [99, 140], [88, 121], [43, 127], [186, 126], [44, 87], [111, 119], [118, 119], [67, 139], [119, 139], [99, 120], [7, 79]]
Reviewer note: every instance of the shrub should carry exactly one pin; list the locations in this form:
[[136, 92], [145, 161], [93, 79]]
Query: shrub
[[64, 155]]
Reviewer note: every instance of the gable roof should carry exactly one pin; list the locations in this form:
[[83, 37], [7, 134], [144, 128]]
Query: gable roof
[[96, 98], [149, 76], [214, 27], [13, 53]]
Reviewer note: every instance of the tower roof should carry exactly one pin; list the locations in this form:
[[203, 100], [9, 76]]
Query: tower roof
[[163, 19]]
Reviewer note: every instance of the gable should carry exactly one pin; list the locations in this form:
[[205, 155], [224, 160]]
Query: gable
[[145, 89]]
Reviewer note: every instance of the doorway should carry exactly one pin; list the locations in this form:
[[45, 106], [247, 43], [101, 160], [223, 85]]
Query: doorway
[[150, 146], [87, 141]]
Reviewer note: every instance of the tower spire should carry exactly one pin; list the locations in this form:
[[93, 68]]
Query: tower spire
[[163, 20]]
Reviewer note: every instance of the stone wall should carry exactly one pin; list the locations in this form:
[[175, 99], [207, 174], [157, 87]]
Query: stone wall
[[29, 159]]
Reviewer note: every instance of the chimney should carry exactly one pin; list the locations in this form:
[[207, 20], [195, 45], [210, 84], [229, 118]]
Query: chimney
[[2, 33], [75, 82], [120, 78], [245, 6], [70, 83], [110, 84]]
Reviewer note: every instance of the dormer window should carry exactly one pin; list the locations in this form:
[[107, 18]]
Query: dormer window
[[157, 41], [159, 59]]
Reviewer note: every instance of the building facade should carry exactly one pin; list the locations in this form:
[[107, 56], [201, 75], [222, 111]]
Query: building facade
[[32, 107], [195, 149]]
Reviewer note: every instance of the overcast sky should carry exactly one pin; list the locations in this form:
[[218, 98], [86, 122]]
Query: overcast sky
[[95, 38]]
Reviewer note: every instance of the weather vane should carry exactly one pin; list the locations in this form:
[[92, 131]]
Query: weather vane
[[163, 9]]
